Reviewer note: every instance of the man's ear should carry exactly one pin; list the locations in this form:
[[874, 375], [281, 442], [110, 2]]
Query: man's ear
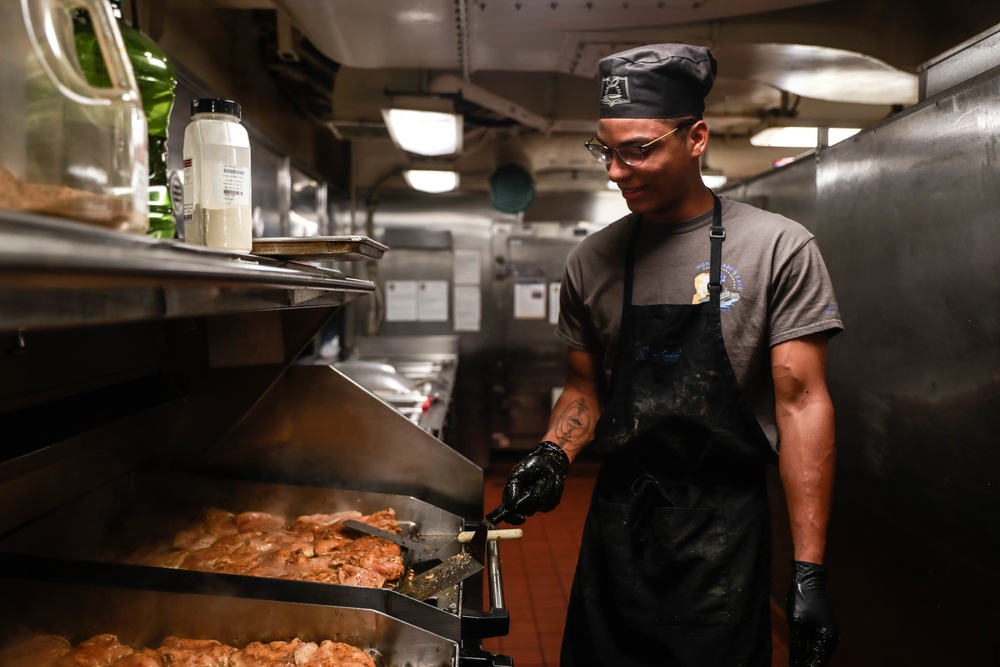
[[698, 138]]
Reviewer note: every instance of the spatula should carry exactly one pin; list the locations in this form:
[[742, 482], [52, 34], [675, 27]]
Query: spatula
[[452, 571]]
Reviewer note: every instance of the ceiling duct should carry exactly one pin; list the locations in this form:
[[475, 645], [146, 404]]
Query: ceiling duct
[[450, 84], [349, 130]]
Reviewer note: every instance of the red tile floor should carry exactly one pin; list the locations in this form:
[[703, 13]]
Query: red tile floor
[[538, 572]]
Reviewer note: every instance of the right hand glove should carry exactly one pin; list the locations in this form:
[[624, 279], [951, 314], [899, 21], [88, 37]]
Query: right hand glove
[[536, 483], [812, 632]]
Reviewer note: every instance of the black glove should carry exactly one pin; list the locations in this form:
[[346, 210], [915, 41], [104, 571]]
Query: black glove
[[536, 483], [812, 633]]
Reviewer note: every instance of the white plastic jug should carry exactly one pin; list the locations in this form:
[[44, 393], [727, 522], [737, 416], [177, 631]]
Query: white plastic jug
[[67, 148]]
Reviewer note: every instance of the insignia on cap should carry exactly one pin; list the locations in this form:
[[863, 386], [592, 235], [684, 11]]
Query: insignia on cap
[[615, 91]]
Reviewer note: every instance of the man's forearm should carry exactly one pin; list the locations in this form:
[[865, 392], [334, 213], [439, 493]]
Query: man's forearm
[[806, 463], [573, 420]]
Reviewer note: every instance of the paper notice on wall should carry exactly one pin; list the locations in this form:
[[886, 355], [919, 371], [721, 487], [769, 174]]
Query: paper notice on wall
[[468, 308], [554, 303], [529, 299], [468, 266], [432, 301], [401, 301]]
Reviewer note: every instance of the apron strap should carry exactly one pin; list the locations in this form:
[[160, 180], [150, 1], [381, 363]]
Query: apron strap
[[717, 235]]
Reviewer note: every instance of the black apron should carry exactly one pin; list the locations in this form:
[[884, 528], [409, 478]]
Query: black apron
[[674, 567]]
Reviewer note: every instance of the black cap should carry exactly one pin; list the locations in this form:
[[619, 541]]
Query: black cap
[[656, 81], [209, 105]]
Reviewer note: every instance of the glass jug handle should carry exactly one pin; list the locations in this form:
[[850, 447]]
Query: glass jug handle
[[50, 30]]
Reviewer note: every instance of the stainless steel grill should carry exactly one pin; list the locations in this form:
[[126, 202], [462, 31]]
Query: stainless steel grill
[[165, 380]]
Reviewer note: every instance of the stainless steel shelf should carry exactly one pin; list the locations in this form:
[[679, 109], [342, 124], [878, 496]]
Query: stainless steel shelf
[[62, 273]]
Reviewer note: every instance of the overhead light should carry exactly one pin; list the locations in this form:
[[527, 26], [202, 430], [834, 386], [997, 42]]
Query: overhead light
[[431, 180], [838, 134], [424, 132], [799, 137], [612, 185], [713, 180], [712, 177]]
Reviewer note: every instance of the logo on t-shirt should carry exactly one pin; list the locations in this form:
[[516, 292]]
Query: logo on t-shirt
[[732, 285]]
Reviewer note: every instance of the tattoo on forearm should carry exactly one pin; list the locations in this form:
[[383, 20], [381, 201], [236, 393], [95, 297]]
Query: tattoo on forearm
[[574, 424]]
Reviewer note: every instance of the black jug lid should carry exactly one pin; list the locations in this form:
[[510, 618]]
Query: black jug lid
[[210, 105]]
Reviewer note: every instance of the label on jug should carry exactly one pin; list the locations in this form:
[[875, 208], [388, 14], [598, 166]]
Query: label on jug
[[188, 191], [232, 185]]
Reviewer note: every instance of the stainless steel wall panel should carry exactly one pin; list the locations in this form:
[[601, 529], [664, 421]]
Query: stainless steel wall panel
[[908, 217], [960, 64]]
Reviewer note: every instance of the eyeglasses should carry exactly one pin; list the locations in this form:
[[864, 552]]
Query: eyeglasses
[[630, 155]]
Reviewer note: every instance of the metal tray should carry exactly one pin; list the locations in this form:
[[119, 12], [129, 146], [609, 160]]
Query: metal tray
[[143, 618], [319, 247], [96, 529]]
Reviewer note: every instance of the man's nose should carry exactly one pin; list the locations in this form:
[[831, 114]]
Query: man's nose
[[617, 169]]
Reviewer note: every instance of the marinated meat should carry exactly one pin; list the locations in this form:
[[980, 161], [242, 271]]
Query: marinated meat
[[259, 654], [220, 522], [384, 519], [98, 651], [312, 522], [179, 652], [36, 651], [190, 540], [336, 654], [107, 651], [313, 548], [353, 575], [142, 658], [259, 522], [372, 553]]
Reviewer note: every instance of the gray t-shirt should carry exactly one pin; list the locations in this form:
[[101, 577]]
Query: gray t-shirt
[[775, 288]]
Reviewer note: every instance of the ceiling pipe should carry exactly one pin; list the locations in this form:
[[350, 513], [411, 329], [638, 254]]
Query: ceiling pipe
[[450, 84]]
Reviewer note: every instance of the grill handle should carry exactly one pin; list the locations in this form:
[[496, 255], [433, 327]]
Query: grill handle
[[496, 621], [494, 575]]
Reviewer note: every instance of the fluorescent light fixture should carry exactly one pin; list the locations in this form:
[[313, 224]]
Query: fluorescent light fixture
[[424, 132], [787, 137], [430, 180], [838, 134], [713, 181], [799, 137]]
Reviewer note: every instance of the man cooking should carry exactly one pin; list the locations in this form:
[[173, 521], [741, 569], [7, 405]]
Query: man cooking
[[688, 398]]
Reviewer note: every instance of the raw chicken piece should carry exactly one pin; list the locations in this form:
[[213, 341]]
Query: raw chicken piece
[[196, 538], [324, 576], [373, 553], [352, 575], [271, 654], [206, 559], [202, 559], [315, 521], [258, 522], [142, 658], [220, 522], [384, 519], [178, 652], [98, 651], [329, 540], [336, 654], [35, 651], [171, 559]]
